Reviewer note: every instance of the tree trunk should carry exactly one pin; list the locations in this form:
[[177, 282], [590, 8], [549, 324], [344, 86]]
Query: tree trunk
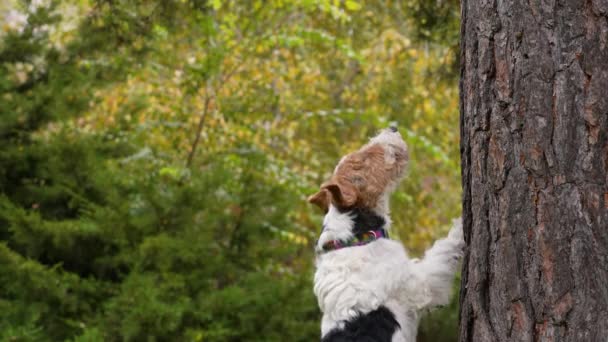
[[534, 119]]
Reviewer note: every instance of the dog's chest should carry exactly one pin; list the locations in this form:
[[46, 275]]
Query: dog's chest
[[358, 280]]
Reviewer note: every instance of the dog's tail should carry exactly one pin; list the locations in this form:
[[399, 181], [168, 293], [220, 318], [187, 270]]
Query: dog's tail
[[440, 263]]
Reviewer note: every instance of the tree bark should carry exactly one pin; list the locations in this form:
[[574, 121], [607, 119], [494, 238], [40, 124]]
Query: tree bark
[[534, 145]]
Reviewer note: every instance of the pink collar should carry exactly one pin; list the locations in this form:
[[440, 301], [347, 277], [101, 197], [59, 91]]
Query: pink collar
[[357, 240]]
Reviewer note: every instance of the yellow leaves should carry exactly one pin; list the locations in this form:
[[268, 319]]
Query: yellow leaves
[[216, 4], [260, 48], [294, 238], [389, 45], [170, 172], [352, 5], [427, 105]]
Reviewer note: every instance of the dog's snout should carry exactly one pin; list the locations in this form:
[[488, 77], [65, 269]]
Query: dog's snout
[[393, 129]]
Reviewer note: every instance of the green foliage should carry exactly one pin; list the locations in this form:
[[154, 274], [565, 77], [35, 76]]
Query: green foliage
[[157, 155]]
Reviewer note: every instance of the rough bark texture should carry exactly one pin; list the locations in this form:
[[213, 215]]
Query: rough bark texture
[[534, 129]]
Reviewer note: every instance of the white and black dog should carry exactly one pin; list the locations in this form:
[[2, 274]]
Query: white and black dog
[[367, 287]]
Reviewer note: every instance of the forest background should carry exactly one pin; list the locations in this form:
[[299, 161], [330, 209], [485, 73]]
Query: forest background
[[156, 156]]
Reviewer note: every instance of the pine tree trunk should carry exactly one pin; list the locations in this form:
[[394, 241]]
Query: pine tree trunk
[[534, 129]]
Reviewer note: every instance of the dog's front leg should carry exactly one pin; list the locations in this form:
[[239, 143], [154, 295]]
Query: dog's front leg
[[439, 265]]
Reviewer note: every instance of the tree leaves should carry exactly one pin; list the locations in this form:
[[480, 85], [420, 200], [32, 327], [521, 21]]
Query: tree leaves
[[352, 5]]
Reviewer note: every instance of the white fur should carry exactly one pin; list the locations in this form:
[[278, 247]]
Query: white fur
[[336, 226], [356, 280]]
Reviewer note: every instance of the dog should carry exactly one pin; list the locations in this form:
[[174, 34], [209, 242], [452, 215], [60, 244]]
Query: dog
[[367, 287]]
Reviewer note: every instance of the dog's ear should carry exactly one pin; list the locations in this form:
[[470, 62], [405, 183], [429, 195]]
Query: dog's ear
[[343, 193], [321, 199]]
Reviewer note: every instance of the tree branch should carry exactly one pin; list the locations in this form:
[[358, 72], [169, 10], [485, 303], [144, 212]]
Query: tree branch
[[199, 129]]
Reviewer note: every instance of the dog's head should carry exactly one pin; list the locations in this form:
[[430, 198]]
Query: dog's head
[[365, 178]]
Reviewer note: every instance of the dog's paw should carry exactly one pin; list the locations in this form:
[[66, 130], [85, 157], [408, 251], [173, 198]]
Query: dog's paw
[[456, 233], [456, 230]]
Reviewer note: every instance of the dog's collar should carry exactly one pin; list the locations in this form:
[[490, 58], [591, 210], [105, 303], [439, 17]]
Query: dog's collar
[[357, 240]]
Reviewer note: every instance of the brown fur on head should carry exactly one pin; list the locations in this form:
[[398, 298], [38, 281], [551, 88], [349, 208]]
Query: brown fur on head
[[364, 178]]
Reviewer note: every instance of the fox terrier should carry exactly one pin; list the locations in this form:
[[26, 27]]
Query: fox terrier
[[367, 287]]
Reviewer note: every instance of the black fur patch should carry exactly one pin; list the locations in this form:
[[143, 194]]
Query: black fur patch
[[376, 326], [366, 220]]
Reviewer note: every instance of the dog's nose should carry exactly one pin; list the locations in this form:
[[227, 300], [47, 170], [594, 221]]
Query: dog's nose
[[393, 129]]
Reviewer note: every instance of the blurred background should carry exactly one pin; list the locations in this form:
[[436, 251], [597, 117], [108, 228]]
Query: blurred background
[[156, 156]]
